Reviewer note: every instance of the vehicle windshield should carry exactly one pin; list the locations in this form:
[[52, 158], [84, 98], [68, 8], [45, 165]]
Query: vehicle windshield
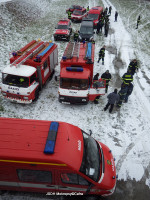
[[13, 80], [69, 83], [93, 16], [77, 12], [86, 30], [61, 26], [91, 158]]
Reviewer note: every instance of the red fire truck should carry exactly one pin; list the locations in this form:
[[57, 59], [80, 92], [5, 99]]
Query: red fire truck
[[95, 14], [78, 15], [76, 75], [53, 157], [30, 68]]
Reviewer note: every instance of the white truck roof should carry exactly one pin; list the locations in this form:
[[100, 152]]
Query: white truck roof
[[21, 70]]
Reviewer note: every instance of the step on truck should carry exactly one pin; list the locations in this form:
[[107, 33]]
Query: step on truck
[[30, 68], [53, 158], [76, 75]]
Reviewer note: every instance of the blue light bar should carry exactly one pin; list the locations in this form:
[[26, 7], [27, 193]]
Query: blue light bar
[[89, 50], [74, 69], [46, 50], [51, 138]]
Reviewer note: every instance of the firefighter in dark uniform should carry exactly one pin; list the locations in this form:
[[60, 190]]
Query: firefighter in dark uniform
[[106, 29], [69, 14], [102, 54], [122, 94], [107, 77], [96, 77], [110, 8], [127, 78], [133, 66], [76, 36], [129, 92], [116, 16], [138, 21], [87, 9]]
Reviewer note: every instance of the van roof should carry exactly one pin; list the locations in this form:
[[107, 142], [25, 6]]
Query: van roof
[[23, 141], [87, 22]]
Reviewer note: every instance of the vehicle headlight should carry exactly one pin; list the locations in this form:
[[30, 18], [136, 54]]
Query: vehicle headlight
[[62, 98], [4, 93], [83, 99], [26, 98]]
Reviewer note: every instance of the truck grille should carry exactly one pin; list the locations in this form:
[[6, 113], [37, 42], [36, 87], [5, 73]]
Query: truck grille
[[13, 96]]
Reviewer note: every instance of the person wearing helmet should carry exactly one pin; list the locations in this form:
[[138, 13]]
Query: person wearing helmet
[[133, 66], [107, 77], [102, 54]]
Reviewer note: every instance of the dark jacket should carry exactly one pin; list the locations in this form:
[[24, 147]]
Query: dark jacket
[[106, 76], [113, 98], [133, 65], [127, 78], [102, 52], [96, 77]]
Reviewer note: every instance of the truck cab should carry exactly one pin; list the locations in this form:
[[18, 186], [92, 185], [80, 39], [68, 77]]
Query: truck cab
[[73, 7], [63, 30], [95, 14], [53, 157], [78, 14], [29, 70], [76, 75]]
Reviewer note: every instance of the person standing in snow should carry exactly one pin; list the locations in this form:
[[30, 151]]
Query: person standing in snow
[[69, 14], [106, 29], [122, 94], [76, 36], [133, 66], [107, 77], [112, 99], [138, 21], [127, 77], [100, 25], [110, 8], [116, 16], [102, 54], [96, 77], [87, 9], [129, 92]]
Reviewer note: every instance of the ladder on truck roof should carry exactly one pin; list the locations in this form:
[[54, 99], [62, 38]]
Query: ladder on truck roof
[[72, 50], [30, 53]]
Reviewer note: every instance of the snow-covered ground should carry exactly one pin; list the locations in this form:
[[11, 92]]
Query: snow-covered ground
[[125, 131]]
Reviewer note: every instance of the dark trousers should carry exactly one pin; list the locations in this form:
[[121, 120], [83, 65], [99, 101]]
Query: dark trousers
[[111, 107], [106, 89], [100, 57]]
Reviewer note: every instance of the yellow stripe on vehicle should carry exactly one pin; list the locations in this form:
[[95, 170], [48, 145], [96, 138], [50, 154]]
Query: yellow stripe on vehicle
[[37, 163]]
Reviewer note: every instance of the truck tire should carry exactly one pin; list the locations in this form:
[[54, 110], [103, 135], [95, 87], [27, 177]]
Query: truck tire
[[36, 94]]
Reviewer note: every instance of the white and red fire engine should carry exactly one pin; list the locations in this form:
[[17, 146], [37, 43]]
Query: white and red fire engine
[[29, 69], [53, 157], [76, 75]]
